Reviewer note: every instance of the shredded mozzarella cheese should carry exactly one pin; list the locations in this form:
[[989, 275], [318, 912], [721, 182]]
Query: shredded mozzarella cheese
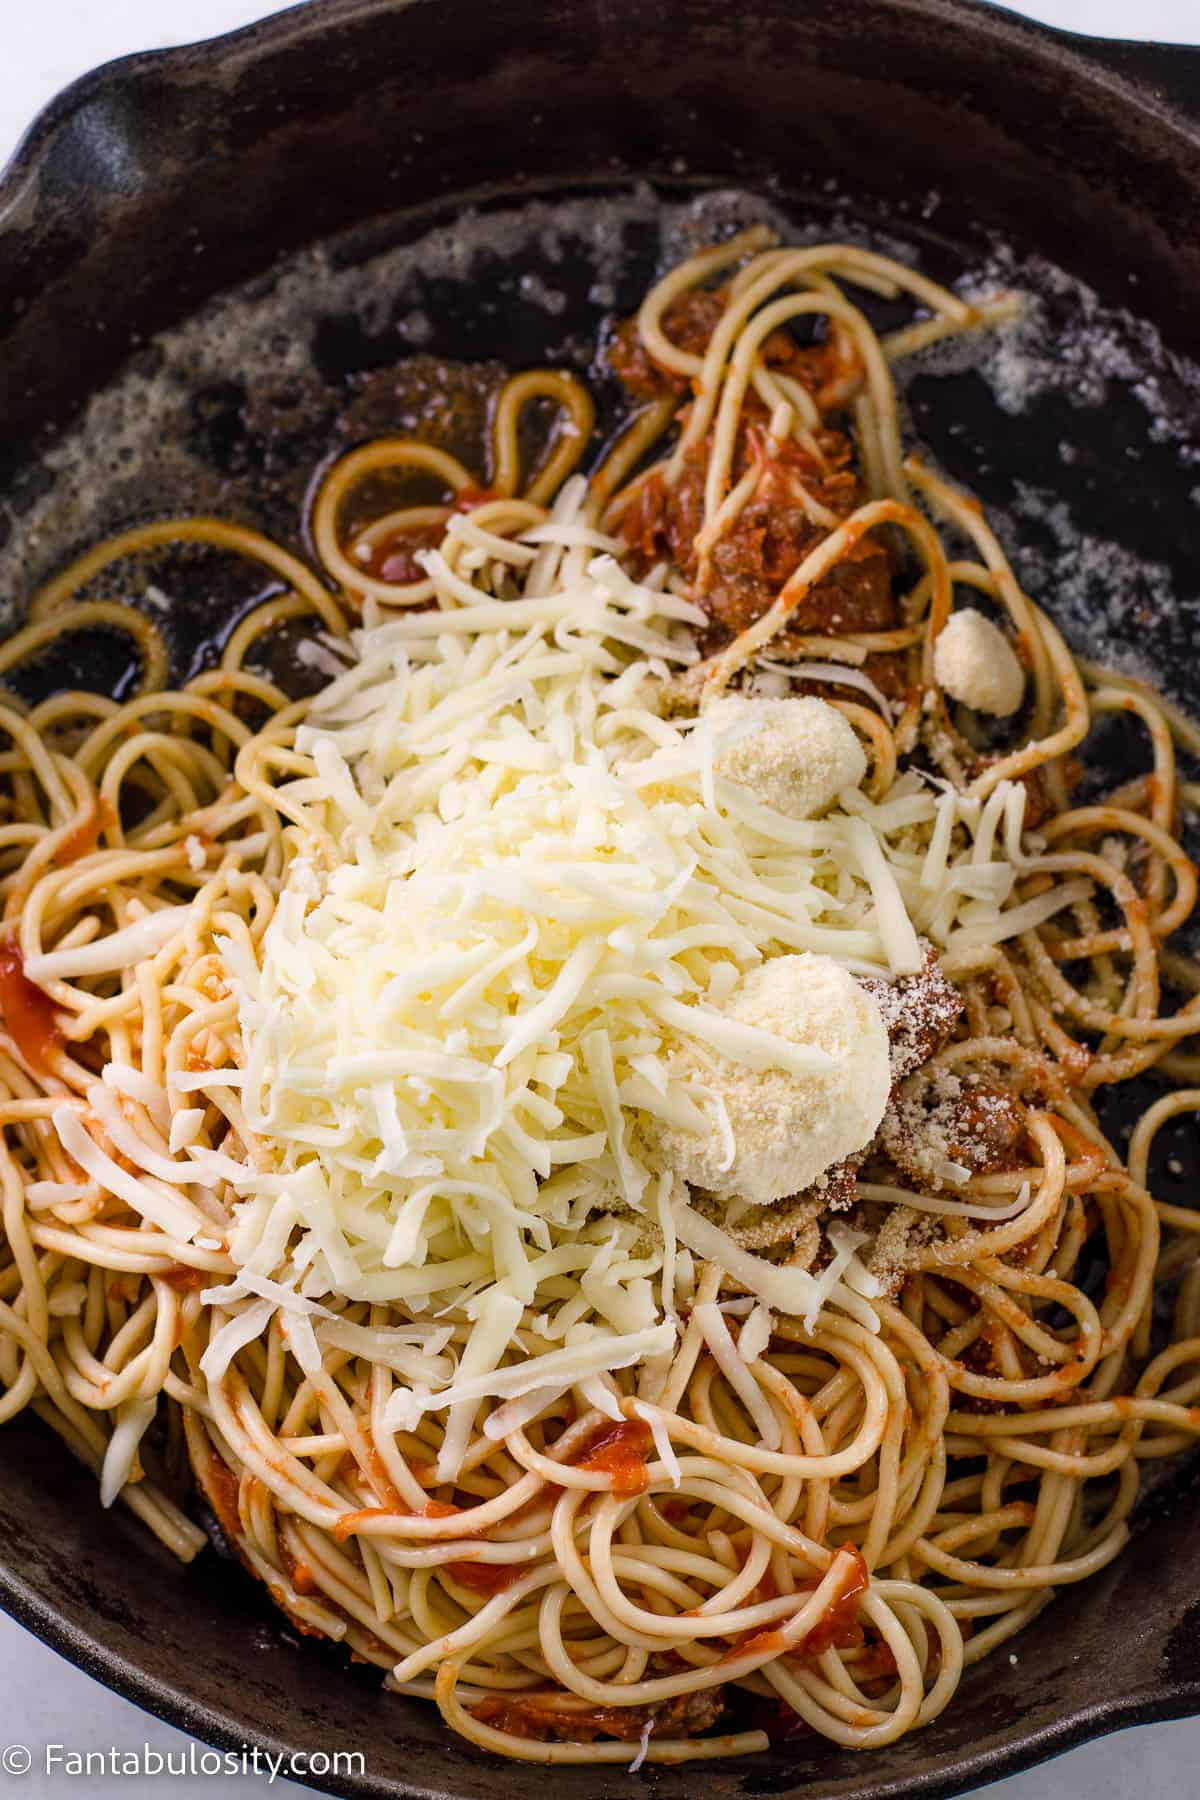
[[119, 950], [466, 1032]]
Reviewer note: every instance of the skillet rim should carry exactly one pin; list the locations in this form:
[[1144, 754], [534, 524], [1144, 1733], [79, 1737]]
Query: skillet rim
[[1164, 78], [1161, 80]]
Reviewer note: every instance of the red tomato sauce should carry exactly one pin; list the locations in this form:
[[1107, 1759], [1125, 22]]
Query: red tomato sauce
[[84, 837], [29, 1013], [619, 1450], [542, 1721], [486, 1577], [381, 1481], [439, 1509], [299, 1573], [760, 1643], [839, 1630], [768, 1587], [350, 1522], [394, 556], [184, 1279], [221, 1487], [774, 533]]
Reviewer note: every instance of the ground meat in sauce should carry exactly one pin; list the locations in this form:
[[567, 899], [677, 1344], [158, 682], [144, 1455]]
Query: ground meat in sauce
[[837, 1188], [986, 1129], [830, 371], [789, 1224], [549, 1718], [887, 669], [953, 1119], [1038, 804], [688, 322], [770, 537], [774, 532], [980, 1358], [919, 1013]]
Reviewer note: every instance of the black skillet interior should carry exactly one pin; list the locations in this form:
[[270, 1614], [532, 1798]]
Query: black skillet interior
[[470, 177]]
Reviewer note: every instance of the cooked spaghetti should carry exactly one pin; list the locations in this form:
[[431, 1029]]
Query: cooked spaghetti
[[582, 1135]]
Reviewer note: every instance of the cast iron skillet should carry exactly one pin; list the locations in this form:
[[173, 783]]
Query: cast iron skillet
[[164, 179]]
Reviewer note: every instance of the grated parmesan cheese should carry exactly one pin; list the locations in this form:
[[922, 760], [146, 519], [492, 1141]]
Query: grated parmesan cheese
[[975, 664], [774, 1130], [795, 755]]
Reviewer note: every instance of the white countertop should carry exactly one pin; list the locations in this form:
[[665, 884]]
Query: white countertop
[[43, 1700]]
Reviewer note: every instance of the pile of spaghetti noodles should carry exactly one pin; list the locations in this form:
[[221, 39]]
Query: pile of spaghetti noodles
[[757, 1520]]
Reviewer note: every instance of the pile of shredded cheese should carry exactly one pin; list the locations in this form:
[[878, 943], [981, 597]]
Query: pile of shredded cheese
[[500, 970]]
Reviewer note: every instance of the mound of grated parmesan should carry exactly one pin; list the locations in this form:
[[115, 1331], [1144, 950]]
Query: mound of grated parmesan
[[796, 755], [768, 1134], [975, 664]]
